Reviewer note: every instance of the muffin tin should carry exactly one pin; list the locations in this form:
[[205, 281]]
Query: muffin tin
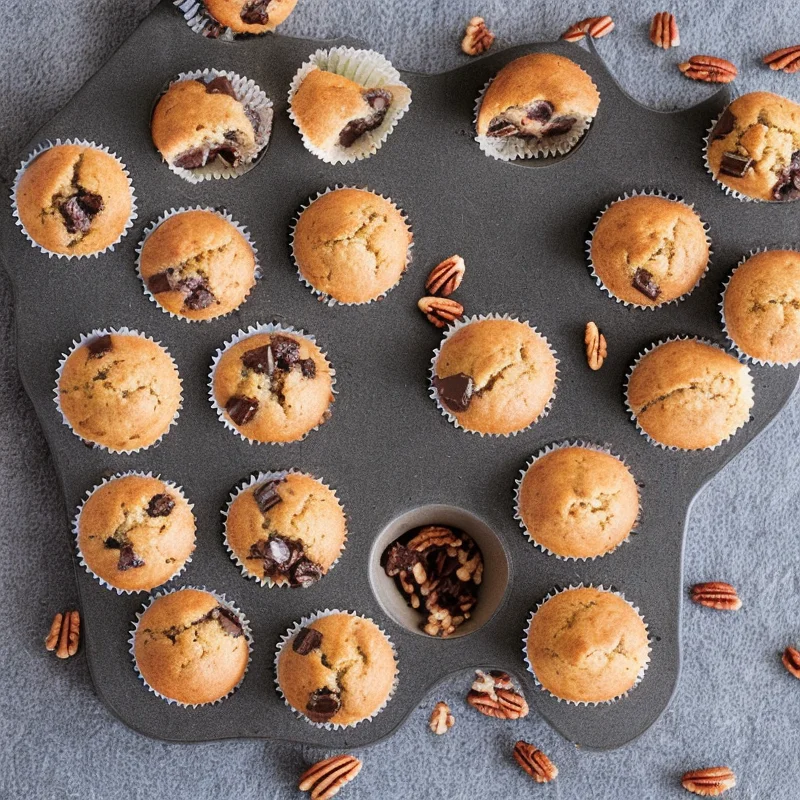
[[387, 450]]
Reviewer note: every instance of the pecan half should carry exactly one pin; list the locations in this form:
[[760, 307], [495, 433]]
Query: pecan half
[[325, 778], [446, 277], [596, 347], [65, 634], [434, 536], [535, 762], [787, 59], [664, 30], [791, 660], [441, 311], [709, 69], [716, 594], [493, 694], [709, 782], [477, 37], [441, 719], [596, 27]]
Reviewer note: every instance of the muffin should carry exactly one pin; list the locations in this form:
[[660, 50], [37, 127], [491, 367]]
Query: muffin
[[197, 265], [338, 669], [191, 647], [689, 395], [648, 250], [272, 387], [494, 376], [754, 148], [351, 245], [249, 16], [761, 307], [74, 200], [587, 645], [285, 529], [119, 390], [135, 532], [578, 502], [538, 104]]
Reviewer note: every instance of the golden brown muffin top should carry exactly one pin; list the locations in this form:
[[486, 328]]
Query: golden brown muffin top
[[250, 16]]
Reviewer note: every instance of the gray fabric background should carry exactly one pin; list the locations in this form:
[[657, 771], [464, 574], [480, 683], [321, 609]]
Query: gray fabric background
[[735, 704]]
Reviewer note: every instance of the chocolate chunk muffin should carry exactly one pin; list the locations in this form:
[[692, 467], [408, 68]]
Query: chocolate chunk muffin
[[754, 148], [587, 645], [689, 395], [761, 307], [648, 250], [191, 647], [351, 245], [578, 502], [249, 16], [338, 669], [272, 387], [119, 390], [494, 376], [74, 200], [197, 265], [135, 532], [286, 529]]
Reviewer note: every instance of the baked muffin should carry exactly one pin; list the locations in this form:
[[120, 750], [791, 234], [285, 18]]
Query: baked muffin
[[191, 647], [689, 395], [540, 103], [273, 387], [647, 250], [119, 390], [578, 502], [761, 307], [74, 200], [587, 645], [351, 245], [494, 376], [286, 529], [754, 148], [339, 669], [249, 16], [135, 532], [197, 265]]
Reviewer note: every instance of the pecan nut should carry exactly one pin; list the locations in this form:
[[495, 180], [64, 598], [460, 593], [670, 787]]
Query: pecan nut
[[325, 778], [596, 27], [494, 695], [441, 311], [596, 347], [434, 536], [535, 762], [446, 277], [716, 594], [65, 634], [709, 69], [787, 59], [664, 30], [709, 782], [441, 719], [477, 37], [791, 660]]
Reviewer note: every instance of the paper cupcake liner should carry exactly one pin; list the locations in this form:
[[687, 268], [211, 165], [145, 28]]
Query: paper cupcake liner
[[649, 350], [646, 193], [37, 151], [370, 70], [77, 519], [323, 296], [249, 94], [560, 446], [600, 588], [150, 229], [223, 601], [122, 331], [456, 326], [263, 477], [200, 21], [304, 622], [238, 337]]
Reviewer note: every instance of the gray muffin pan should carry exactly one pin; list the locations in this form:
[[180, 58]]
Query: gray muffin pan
[[386, 449]]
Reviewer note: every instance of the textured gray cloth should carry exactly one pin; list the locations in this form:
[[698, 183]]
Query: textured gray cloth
[[735, 704]]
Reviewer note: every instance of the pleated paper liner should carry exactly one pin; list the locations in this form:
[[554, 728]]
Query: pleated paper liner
[[200, 20], [37, 151], [76, 344]]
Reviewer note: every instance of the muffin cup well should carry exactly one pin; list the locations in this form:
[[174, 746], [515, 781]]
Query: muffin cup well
[[262, 477], [322, 296], [123, 331], [600, 588], [646, 193], [561, 446], [37, 151], [304, 622], [370, 70], [240, 336], [456, 326], [151, 228]]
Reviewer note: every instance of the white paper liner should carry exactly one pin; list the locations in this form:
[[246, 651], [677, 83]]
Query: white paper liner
[[123, 331], [649, 350], [323, 296], [77, 520], [223, 601], [151, 228], [201, 21], [456, 326], [249, 94], [238, 337], [305, 622], [372, 71], [568, 443], [600, 588], [646, 193], [263, 477], [37, 151]]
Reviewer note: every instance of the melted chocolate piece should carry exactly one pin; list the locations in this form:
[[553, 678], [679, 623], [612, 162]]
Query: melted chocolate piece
[[307, 639], [308, 367], [255, 13], [79, 211], [100, 346], [260, 360], [400, 558], [377, 99], [255, 119], [644, 283], [128, 559], [455, 391], [322, 705], [724, 125], [305, 573], [735, 165], [266, 495], [540, 111], [501, 128], [230, 623], [160, 282], [112, 544], [160, 505], [558, 126], [191, 159], [91, 203], [788, 185], [221, 85], [285, 350], [241, 409], [230, 155], [198, 296]]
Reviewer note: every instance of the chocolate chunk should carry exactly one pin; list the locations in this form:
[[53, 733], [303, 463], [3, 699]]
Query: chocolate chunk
[[198, 296], [230, 155], [305, 573], [266, 495], [643, 282], [286, 351], [260, 360], [308, 367], [160, 505], [352, 131], [128, 559], [112, 544], [91, 203], [379, 99], [399, 558], [255, 13], [788, 185], [241, 409], [221, 85], [190, 159], [75, 218], [455, 391], [322, 705], [255, 119], [501, 128], [278, 551], [735, 165], [229, 621], [99, 346], [724, 125], [160, 282], [540, 111], [307, 639], [558, 126]]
